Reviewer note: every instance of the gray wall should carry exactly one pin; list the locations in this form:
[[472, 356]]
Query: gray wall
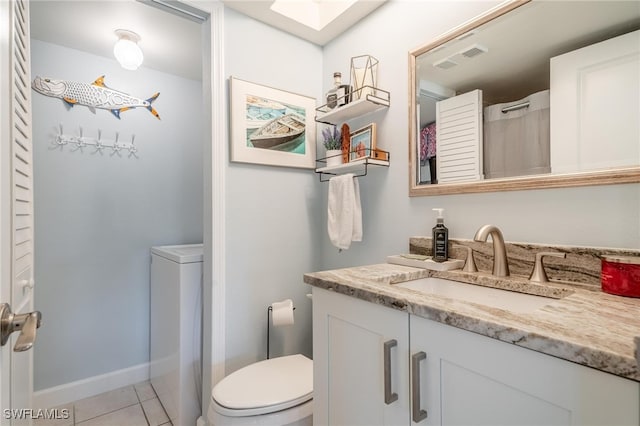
[[96, 215], [272, 213], [607, 216]]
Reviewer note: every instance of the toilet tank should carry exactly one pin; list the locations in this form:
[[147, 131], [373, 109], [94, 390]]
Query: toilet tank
[[175, 336]]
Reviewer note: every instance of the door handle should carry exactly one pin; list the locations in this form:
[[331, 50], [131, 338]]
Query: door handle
[[417, 413], [389, 396], [25, 323]]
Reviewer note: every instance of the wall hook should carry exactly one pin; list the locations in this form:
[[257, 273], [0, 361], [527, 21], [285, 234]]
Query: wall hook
[[80, 142], [132, 148]]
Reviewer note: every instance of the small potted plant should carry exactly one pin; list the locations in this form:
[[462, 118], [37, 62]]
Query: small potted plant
[[333, 144]]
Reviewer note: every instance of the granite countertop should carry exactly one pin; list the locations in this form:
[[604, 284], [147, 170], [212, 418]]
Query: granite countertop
[[588, 327]]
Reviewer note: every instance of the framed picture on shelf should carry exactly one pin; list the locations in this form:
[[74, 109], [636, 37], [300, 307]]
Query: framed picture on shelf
[[271, 126], [363, 142]]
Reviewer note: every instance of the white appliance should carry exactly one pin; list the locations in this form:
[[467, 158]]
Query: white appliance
[[176, 327]]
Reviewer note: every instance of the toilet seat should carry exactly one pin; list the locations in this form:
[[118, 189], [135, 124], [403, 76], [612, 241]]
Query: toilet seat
[[265, 387]]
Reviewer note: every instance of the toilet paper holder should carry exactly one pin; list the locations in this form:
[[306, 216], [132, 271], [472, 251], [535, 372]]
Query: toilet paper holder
[[269, 310]]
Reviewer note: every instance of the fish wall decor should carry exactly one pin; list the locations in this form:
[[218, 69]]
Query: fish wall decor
[[94, 95]]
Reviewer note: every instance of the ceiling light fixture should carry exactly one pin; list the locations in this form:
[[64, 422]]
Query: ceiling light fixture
[[127, 51]]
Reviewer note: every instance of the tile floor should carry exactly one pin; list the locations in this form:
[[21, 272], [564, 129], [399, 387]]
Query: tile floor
[[136, 405]]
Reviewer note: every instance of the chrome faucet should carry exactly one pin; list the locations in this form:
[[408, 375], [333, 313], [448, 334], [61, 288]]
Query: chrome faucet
[[500, 263]]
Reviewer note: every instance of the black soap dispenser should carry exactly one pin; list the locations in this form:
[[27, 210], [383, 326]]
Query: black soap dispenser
[[440, 239]]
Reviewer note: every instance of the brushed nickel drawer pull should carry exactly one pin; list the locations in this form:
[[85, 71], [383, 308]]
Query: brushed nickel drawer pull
[[417, 413], [389, 396]]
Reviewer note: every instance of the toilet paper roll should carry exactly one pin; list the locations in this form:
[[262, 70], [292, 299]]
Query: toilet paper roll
[[282, 313]]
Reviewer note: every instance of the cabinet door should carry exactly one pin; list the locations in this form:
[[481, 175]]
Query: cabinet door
[[351, 339], [595, 105], [472, 379]]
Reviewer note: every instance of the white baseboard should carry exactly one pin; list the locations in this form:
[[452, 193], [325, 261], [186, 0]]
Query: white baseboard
[[69, 392]]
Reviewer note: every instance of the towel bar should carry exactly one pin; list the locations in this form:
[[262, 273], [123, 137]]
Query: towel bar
[[358, 167]]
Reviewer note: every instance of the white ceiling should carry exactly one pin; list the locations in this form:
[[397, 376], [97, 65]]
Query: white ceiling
[[261, 11], [170, 43]]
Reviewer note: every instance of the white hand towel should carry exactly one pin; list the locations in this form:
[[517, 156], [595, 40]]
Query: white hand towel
[[344, 211]]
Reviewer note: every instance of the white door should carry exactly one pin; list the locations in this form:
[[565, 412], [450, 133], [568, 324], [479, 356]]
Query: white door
[[459, 146], [16, 204]]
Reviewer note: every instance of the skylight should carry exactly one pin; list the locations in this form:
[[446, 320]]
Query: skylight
[[315, 14]]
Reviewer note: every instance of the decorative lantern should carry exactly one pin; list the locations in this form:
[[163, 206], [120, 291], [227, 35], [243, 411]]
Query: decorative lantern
[[364, 76]]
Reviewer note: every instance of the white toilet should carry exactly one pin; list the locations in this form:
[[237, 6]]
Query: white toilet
[[274, 392]]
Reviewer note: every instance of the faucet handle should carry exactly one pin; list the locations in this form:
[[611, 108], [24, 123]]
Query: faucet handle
[[538, 275], [470, 263]]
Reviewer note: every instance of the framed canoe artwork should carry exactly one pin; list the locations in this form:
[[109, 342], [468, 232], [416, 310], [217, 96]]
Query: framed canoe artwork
[[271, 126]]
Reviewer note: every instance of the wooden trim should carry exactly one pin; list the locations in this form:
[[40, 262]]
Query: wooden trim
[[413, 137], [606, 177]]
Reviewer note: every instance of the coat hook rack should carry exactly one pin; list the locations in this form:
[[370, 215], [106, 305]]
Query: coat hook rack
[[80, 142]]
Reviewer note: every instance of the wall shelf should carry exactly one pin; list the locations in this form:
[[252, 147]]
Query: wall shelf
[[366, 105], [358, 167], [376, 100]]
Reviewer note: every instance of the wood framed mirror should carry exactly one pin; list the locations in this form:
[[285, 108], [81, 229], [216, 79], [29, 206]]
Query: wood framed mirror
[[576, 66]]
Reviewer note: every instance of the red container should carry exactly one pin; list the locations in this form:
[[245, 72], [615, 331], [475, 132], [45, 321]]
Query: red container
[[621, 275]]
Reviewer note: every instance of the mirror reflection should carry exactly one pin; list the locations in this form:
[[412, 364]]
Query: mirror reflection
[[544, 89]]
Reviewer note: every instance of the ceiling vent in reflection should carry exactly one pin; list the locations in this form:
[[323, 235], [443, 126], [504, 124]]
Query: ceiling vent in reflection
[[445, 63], [473, 51]]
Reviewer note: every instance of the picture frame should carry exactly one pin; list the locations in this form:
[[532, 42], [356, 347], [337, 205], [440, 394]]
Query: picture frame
[[271, 126], [363, 143]]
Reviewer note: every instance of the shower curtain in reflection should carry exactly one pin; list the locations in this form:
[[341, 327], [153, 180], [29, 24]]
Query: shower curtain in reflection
[[516, 142]]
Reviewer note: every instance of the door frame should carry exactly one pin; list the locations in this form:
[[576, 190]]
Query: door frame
[[5, 192], [214, 217]]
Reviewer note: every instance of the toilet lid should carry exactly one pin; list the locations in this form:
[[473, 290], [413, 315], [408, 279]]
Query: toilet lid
[[266, 386]]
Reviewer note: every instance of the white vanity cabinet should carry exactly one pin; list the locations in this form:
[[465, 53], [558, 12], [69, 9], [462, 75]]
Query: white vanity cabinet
[[448, 376], [470, 379], [350, 338]]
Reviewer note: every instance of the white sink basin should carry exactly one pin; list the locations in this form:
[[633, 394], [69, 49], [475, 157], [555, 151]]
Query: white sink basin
[[496, 298]]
